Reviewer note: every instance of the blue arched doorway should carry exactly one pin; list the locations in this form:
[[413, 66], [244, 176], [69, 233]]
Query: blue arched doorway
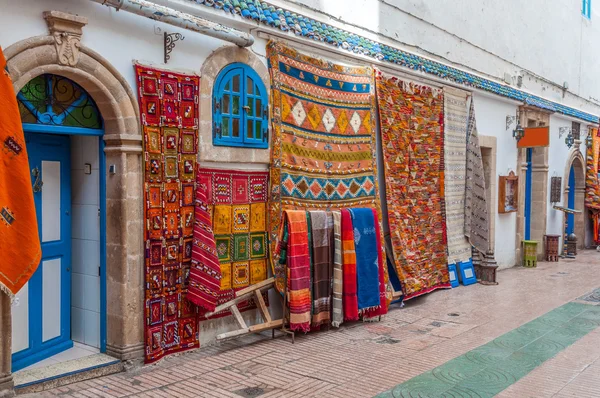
[[64, 302]]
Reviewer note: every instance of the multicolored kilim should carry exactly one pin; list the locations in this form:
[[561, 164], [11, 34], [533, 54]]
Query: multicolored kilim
[[411, 119], [168, 108], [337, 310], [477, 226], [295, 256], [321, 231], [323, 149], [455, 170], [592, 182], [205, 273], [349, 293], [237, 203]]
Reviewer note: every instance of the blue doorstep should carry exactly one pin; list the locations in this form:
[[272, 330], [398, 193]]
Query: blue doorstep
[[466, 273], [453, 275]]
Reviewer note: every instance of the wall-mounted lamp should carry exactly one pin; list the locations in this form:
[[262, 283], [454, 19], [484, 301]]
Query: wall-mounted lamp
[[518, 132], [589, 140], [569, 139]]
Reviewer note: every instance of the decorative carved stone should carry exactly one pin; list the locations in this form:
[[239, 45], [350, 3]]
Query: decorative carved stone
[[66, 30]]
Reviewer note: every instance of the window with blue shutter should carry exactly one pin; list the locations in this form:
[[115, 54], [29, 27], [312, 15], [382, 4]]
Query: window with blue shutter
[[240, 108], [586, 8]]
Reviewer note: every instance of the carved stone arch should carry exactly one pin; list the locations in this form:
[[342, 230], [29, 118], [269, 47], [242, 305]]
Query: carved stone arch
[[219, 59], [117, 103]]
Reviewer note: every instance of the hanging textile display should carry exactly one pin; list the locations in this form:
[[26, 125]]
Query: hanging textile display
[[411, 119], [236, 201], [205, 273], [295, 259], [592, 182], [337, 310], [168, 108], [321, 266], [476, 208], [349, 292], [323, 148], [455, 163], [19, 242]]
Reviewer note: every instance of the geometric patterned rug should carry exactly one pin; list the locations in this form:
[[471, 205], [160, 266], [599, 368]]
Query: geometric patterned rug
[[237, 202], [323, 137], [411, 121], [168, 108]]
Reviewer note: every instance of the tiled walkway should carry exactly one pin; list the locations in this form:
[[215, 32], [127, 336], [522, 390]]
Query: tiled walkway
[[363, 360]]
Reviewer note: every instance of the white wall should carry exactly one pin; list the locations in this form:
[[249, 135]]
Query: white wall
[[547, 39], [491, 120], [85, 238]]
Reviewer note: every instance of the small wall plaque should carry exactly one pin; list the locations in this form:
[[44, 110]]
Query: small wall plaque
[[508, 193], [555, 185]]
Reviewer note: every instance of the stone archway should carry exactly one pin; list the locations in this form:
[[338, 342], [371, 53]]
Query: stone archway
[[62, 54], [577, 162]]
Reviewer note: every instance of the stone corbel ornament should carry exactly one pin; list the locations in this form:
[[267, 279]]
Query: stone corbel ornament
[[66, 30]]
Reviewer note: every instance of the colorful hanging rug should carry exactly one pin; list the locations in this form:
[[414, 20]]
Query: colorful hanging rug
[[592, 182], [237, 202], [411, 120], [349, 290], [205, 273], [19, 239], [321, 275], [477, 228], [168, 108], [323, 149], [367, 259], [295, 259], [455, 171], [337, 309]]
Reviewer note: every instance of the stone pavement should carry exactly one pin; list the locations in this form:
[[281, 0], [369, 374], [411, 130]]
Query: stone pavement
[[365, 359]]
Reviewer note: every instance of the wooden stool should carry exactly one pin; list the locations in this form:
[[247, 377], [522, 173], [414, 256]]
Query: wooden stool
[[552, 250], [530, 253]]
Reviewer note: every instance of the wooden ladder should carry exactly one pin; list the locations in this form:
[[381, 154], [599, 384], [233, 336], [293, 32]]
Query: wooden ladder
[[254, 291]]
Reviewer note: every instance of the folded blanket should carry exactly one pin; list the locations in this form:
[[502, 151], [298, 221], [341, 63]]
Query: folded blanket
[[367, 259], [349, 296]]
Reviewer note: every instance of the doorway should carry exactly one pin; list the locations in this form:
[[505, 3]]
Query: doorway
[[60, 314]]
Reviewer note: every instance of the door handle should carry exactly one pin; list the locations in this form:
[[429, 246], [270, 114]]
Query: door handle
[[38, 183]]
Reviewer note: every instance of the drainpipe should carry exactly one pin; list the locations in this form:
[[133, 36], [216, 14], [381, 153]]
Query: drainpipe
[[180, 19]]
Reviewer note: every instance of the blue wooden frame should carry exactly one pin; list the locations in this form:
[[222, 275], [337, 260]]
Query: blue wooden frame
[[252, 108], [528, 176], [586, 9], [571, 202], [24, 358]]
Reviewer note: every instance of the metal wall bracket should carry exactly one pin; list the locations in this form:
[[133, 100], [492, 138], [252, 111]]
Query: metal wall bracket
[[169, 45]]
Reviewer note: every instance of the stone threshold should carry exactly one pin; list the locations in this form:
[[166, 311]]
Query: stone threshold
[[60, 374]]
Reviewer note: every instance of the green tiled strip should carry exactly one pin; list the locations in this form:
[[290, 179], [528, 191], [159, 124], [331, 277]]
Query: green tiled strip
[[490, 368]]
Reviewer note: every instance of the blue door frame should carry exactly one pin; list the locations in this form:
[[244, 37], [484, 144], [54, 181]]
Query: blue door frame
[[528, 176], [26, 357]]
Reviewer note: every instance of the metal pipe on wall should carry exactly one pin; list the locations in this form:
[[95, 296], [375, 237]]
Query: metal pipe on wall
[[181, 19]]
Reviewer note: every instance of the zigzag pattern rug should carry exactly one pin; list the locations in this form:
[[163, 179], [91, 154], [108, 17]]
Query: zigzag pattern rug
[[411, 118], [323, 149]]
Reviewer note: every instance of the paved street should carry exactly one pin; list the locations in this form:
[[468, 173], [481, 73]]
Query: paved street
[[367, 359]]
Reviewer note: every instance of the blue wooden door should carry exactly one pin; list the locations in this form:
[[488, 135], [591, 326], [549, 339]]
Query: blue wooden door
[[42, 313]]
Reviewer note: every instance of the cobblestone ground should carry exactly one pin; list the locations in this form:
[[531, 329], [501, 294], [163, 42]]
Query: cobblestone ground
[[365, 359]]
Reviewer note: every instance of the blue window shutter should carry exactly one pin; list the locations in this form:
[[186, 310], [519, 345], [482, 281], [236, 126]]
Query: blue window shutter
[[586, 9], [235, 108]]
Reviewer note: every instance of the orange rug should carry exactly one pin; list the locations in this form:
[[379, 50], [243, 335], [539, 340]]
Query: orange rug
[[20, 243]]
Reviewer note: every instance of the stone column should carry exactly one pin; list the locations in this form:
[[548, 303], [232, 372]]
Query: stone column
[[6, 380], [124, 245]]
